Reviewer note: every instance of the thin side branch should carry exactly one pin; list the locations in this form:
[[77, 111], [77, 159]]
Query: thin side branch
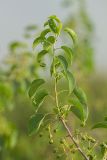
[[73, 139]]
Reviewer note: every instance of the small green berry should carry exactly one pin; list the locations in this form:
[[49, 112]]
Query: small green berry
[[41, 134], [55, 150], [55, 130], [62, 141], [82, 124], [58, 156], [73, 151], [83, 138], [90, 157], [71, 146], [51, 141], [92, 140]]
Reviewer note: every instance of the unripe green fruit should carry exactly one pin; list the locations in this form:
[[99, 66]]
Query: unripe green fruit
[[62, 141], [41, 134], [73, 151], [51, 141], [55, 151], [58, 156], [92, 140], [71, 146], [82, 124], [89, 148], [55, 130], [83, 138], [91, 157]]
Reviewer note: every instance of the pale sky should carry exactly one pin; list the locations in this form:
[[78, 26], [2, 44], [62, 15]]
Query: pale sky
[[16, 14]]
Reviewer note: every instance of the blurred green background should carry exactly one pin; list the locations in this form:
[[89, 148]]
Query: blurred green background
[[18, 69]]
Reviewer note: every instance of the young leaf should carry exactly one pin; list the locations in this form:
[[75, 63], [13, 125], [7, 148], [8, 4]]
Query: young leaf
[[39, 97], [45, 32], [34, 86], [100, 125], [63, 62], [35, 123], [46, 23], [78, 109], [46, 44], [40, 55], [71, 81], [51, 39], [72, 34], [59, 26], [36, 42], [55, 18], [68, 53], [52, 25]]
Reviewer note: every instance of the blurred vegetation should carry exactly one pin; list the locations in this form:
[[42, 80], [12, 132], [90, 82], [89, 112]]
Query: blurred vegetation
[[18, 69]]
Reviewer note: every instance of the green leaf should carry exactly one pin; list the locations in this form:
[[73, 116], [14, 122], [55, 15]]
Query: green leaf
[[40, 55], [68, 53], [59, 26], [71, 81], [51, 39], [80, 94], [56, 63], [72, 34], [46, 23], [34, 86], [39, 97], [78, 109], [38, 122], [45, 32], [47, 43], [35, 123], [48, 119], [52, 68], [100, 125], [63, 62], [36, 42], [55, 17], [52, 26]]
